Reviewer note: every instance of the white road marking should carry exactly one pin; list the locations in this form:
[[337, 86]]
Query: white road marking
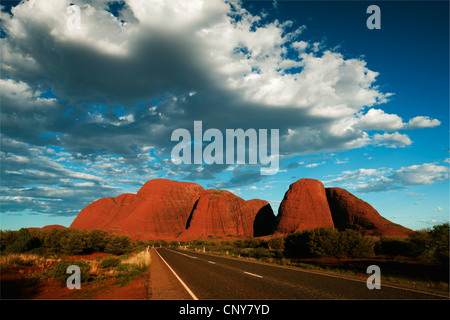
[[252, 274], [179, 279], [183, 254]]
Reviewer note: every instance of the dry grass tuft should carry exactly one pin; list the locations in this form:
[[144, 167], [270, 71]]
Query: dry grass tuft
[[22, 259], [141, 259]]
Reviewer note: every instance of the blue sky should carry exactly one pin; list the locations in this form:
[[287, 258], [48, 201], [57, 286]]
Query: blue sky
[[88, 112]]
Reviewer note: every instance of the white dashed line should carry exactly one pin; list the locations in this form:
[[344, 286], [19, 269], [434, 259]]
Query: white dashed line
[[252, 274]]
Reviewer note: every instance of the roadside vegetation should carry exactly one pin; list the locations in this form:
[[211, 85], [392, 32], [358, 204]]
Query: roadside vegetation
[[37, 255], [422, 259]]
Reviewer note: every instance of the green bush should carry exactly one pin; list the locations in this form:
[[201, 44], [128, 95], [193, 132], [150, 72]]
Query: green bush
[[119, 245], [324, 242], [72, 242], [51, 240], [295, 245], [327, 242], [256, 253], [395, 246], [276, 243], [59, 271], [18, 241], [110, 262], [440, 242], [95, 241], [353, 244]]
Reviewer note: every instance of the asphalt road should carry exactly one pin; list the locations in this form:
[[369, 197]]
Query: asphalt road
[[207, 276]]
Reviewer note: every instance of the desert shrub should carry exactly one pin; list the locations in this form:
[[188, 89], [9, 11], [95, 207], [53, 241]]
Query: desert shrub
[[59, 271], [110, 262], [22, 259], [295, 245], [119, 245], [51, 240], [327, 242], [239, 243], [126, 273], [256, 253], [323, 242], [440, 242], [353, 244], [18, 241], [163, 243], [254, 243], [72, 242], [276, 243], [132, 266], [422, 244], [95, 241], [395, 246]]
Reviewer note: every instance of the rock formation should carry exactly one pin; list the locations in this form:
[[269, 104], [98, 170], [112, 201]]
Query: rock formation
[[308, 205], [160, 210], [304, 206], [221, 213], [166, 209], [351, 212]]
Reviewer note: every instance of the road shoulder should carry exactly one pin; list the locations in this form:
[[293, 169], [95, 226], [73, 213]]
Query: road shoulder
[[163, 285]]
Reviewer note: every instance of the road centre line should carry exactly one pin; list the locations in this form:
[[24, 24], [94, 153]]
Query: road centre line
[[183, 254], [252, 274], [179, 279]]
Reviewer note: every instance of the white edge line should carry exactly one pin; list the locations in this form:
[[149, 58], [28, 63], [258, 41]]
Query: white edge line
[[252, 274], [179, 279]]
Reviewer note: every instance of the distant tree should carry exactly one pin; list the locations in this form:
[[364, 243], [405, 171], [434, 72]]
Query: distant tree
[[276, 243], [395, 246], [72, 242], [95, 241], [422, 244], [239, 243], [52, 240], [295, 245], [324, 242], [20, 241], [440, 242], [119, 245], [353, 244], [253, 242]]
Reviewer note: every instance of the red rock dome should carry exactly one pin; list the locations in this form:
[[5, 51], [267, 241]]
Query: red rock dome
[[221, 213], [159, 210], [351, 212], [304, 206]]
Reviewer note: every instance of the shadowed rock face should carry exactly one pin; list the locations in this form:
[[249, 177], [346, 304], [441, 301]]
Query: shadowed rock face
[[304, 206], [221, 213], [265, 221], [351, 212]]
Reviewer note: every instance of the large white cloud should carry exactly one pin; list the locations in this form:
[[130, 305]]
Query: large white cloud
[[128, 77]]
